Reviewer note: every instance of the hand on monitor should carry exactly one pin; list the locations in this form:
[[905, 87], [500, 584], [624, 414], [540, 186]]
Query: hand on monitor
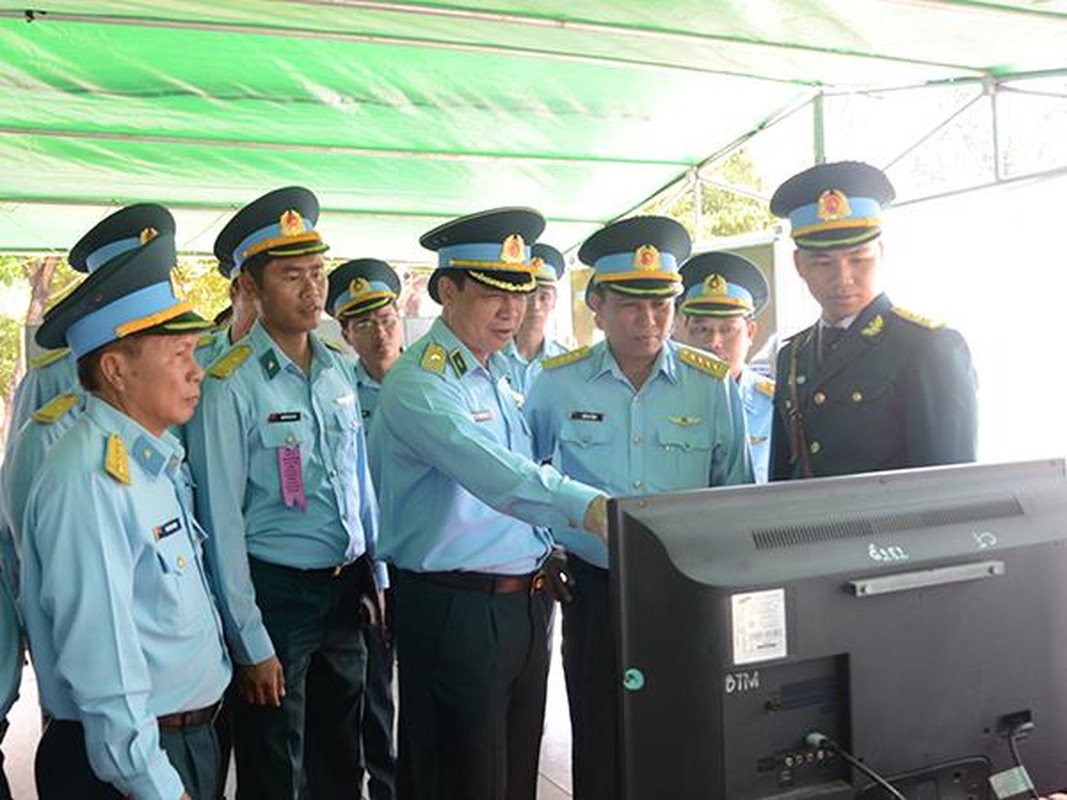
[[596, 517]]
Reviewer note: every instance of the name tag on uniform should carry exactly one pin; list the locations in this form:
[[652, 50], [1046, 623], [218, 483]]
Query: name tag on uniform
[[167, 529], [291, 477], [587, 416], [284, 416], [482, 416]]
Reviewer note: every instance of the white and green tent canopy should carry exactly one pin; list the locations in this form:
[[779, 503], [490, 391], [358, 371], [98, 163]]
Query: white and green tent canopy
[[400, 115]]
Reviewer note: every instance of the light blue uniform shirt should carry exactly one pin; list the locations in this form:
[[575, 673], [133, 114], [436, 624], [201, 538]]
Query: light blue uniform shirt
[[460, 491], [10, 642], [369, 389], [235, 442], [521, 372], [41, 384], [120, 618], [757, 396], [10, 623], [25, 454], [684, 429]]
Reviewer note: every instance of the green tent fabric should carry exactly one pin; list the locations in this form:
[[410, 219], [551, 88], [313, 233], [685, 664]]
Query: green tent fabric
[[399, 115]]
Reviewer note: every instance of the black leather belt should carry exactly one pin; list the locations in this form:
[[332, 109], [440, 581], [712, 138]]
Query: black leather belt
[[189, 719], [483, 582]]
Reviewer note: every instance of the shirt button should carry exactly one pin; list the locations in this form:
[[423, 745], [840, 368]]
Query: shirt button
[[857, 396], [801, 380], [818, 398], [637, 440], [181, 562], [815, 447], [639, 484]]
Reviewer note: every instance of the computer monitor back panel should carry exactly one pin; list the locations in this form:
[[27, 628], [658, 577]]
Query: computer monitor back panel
[[905, 615]]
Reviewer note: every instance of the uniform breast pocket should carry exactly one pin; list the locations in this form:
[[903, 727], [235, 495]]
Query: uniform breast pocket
[[683, 455], [585, 450], [179, 581], [344, 429], [273, 436]]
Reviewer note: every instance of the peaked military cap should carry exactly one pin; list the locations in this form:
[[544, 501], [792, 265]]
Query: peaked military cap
[[281, 224], [637, 256], [548, 263], [722, 285], [125, 230], [492, 247], [834, 205], [359, 286], [132, 293]]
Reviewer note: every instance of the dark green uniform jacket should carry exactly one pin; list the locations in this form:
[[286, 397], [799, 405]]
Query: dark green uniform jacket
[[896, 391]]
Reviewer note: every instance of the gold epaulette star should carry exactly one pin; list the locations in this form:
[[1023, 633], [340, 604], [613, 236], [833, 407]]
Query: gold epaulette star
[[705, 362]]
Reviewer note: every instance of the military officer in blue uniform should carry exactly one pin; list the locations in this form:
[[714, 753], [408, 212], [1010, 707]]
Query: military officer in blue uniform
[[53, 372], [531, 345], [126, 641], [723, 294], [633, 414], [114, 237], [870, 386], [464, 517], [362, 298], [278, 454], [234, 321]]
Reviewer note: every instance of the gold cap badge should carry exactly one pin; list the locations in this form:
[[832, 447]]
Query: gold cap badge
[[646, 258], [513, 250], [292, 224], [833, 205], [358, 287], [715, 285], [148, 234]]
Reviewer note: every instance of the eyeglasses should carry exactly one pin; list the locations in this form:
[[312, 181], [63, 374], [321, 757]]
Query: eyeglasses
[[383, 324]]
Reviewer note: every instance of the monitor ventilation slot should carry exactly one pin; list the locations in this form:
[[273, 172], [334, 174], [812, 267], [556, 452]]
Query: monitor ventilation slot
[[864, 527]]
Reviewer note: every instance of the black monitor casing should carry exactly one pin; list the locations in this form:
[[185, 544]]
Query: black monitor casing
[[904, 614]]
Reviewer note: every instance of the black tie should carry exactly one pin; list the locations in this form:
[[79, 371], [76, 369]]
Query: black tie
[[829, 338]]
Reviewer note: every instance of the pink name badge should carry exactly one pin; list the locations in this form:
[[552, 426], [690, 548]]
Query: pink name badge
[[292, 475]]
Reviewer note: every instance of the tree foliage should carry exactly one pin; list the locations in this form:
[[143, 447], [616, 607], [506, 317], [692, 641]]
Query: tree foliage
[[723, 212]]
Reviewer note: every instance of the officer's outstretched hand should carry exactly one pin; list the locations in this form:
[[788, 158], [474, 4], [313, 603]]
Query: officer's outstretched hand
[[262, 684], [596, 517]]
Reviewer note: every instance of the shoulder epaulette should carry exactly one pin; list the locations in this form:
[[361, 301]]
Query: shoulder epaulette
[[224, 365], [434, 358], [765, 386], [117, 459], [205, 340], [55, 408], [705, 362], [49, 357], [567, 358], [334, 345], [918, 319]]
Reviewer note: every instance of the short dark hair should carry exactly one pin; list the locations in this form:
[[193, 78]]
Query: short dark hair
[[457, 276], [256, 265]]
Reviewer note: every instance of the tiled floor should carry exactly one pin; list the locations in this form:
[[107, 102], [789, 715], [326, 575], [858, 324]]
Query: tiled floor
[[555, 781]]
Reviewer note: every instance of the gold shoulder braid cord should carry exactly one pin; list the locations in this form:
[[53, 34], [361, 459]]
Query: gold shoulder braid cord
[[798, 443]]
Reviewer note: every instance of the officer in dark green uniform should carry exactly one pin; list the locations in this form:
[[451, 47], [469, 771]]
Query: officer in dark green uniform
[[870, 386]]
